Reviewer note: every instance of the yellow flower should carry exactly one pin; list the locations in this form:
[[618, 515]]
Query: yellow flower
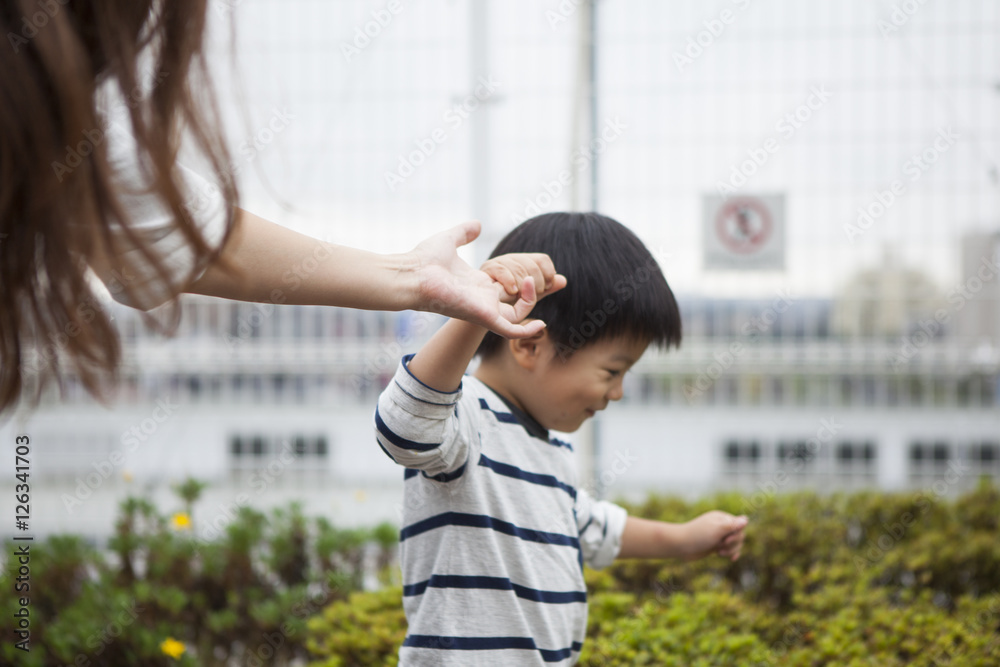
[[180, 521], [126, 475], [172, 647]]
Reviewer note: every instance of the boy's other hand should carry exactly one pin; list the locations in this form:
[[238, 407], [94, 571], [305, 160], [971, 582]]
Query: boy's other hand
[[511, 270], [715, 532]]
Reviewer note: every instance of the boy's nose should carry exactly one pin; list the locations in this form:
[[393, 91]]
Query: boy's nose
[[616, 393]]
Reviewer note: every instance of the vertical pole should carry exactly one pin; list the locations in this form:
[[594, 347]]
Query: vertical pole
[[592, 92], [590, 437], [480, 121]]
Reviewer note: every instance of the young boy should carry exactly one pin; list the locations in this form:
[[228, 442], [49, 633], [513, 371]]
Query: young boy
[[495, 530]]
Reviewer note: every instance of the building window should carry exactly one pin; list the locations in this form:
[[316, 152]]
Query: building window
[[742, 456], [985, 456], [798, 451], [929, 457], [797, 457], [855, 458], [253, 451]]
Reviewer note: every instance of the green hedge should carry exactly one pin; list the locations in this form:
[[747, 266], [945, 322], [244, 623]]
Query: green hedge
[[241, 593], [860, 579]]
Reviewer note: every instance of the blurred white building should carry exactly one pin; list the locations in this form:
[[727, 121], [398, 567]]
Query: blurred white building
[[977, 299], [824, 374], [275, 404], [885, 301]]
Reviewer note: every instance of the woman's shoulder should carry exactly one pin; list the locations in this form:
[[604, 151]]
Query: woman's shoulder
[[151, 224]]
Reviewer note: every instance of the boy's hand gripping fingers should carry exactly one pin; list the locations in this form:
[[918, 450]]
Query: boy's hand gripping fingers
[[716, 532], [453, 288], [526, 300], [512, 269], [509, 318]]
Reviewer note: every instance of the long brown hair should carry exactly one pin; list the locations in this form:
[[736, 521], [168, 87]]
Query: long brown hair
[[59, 53]]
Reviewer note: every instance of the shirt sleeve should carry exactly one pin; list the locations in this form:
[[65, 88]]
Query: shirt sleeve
[[601, 525], [155, 227], [419, 427]]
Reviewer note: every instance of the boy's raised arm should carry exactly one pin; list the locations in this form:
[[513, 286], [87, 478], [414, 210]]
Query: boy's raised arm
[[441, 362], [414, 421]]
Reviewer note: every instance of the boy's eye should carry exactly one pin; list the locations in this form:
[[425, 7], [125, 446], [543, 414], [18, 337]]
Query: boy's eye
[[613, 373]]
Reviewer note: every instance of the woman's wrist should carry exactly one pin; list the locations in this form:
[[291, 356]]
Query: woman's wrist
[[405, 283]]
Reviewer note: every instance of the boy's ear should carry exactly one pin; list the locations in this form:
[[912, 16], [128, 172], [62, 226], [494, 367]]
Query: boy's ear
[[527, 352]]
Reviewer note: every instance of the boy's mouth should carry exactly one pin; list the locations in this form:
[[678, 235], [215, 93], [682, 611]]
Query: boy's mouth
[[590, 413]]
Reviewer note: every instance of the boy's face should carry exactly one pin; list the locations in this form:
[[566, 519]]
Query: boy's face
[[563, 393]]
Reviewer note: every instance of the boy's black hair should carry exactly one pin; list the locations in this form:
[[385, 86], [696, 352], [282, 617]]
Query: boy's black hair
[[614, 285]]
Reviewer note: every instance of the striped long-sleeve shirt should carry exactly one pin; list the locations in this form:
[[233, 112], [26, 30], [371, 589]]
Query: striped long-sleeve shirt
[[495, 531]]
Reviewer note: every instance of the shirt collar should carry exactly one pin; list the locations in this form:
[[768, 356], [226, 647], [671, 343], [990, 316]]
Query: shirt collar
[[529, 423]]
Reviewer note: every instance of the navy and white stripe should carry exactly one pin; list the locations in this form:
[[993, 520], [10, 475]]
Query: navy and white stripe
[[494, 532], [532, 477], [492, 644], [494, 583]]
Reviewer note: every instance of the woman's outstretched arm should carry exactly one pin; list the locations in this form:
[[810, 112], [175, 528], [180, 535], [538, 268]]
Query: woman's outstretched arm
[[282, 266]]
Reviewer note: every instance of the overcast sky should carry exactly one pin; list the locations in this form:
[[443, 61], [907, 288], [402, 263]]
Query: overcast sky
[[332, 112]]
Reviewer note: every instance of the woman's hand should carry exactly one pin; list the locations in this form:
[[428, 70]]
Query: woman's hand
[[498, 299]]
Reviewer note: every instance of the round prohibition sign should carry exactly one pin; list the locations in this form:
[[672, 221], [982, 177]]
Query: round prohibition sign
[[744, 225]]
